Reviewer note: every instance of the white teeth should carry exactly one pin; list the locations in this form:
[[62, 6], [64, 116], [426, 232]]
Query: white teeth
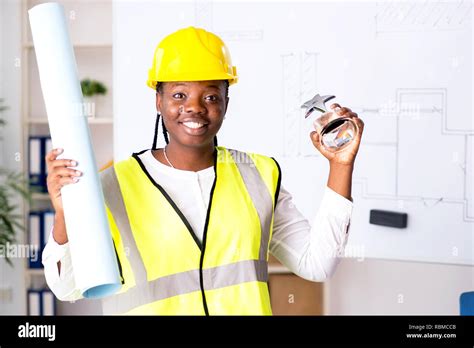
[[193, 125]]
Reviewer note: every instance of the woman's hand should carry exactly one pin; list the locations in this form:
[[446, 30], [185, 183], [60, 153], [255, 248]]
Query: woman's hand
[[347, 155], [59, 175]]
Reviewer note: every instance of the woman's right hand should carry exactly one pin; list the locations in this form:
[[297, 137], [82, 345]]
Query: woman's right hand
[[59, 175]]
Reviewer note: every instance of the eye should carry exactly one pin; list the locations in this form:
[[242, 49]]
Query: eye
[[212, 98], [178, 95]]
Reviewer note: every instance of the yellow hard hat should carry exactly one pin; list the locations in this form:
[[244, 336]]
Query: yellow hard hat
[[191, 54]]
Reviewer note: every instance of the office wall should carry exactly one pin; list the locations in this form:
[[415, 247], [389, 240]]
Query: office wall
[[379, 287]]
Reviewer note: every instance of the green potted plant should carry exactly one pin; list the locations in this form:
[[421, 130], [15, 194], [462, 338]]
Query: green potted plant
[[90, 90], [12, 185]]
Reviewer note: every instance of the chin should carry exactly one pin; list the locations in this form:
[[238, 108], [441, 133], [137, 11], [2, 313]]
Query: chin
[[196, 142]]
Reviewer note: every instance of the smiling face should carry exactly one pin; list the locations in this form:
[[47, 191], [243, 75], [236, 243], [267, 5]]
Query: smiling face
[[192, 111]]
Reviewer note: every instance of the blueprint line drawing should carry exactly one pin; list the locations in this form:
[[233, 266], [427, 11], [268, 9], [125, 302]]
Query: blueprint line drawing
[[440, 108], [204, 18], [291, 100], [416, 105], [410, 16], [299, 78], [419, 104]]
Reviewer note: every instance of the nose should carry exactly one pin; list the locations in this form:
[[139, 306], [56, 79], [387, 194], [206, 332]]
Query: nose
[[193, 106]]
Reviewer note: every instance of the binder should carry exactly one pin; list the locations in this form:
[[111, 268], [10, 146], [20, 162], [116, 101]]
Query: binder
[[49, 304], [34, 302], [41, 302], [47, 149], [34, 160], [35, 234], [40, 225], [466, 301], [39, 146], [48, 222]]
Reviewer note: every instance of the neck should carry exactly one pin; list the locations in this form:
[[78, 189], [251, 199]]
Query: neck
[[187, 158]]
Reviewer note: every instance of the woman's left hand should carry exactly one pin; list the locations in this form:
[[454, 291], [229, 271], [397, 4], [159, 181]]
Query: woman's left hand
[[347, 155]]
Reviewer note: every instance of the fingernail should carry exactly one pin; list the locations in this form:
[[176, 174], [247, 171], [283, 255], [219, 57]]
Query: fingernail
[[78, 173], [73, 163], [59, 150], [337, 109], [75, 179]]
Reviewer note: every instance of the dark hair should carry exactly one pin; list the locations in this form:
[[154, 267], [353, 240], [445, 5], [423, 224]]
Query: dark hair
[[159, 89]]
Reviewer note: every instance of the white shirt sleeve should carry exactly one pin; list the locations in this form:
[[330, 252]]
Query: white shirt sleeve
[[311, 252], [62, 284]]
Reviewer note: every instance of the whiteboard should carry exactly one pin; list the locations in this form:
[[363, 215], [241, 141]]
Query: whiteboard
[[404, 67]]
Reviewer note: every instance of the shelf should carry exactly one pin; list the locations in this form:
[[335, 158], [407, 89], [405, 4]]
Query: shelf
[[97, 120], [35, 271], [278, 269], [39, 196], [78, 45]]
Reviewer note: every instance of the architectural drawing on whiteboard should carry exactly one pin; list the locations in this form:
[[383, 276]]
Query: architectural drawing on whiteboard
[[409, 16], [203, 18], [423, 144], [432, 162], [424, 158], [439, 155], [299, 84]]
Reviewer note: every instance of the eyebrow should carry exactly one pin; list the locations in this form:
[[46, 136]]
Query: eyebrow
[[175, 84]]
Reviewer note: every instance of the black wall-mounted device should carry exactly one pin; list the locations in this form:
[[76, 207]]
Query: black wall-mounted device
[[388, 218]]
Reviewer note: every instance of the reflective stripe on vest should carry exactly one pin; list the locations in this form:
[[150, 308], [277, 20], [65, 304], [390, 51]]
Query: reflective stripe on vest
[[146, 292], [261, 198], [114, 200]]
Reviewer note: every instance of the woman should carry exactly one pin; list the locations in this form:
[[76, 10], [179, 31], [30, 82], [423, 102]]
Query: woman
[[193, 223]]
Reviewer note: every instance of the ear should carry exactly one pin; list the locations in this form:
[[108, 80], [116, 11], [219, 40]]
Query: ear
[[226, 104], [158, 102]]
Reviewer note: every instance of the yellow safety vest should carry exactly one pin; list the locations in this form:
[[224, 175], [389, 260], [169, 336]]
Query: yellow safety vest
[[165, 269]]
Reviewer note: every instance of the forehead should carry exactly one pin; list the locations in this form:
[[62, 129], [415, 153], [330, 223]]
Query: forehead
[[217, 84]]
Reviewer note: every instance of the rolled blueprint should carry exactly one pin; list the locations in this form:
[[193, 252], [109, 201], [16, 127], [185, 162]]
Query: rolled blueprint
[[92, 252]]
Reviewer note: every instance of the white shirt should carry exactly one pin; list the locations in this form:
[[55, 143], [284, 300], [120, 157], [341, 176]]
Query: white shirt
[[310, 252]]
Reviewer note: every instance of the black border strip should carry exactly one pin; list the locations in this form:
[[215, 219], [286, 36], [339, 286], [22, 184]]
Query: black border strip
[[221, 331]]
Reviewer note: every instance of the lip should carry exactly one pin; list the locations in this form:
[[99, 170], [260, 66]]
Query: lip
[[194, 119], [194, 131]]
